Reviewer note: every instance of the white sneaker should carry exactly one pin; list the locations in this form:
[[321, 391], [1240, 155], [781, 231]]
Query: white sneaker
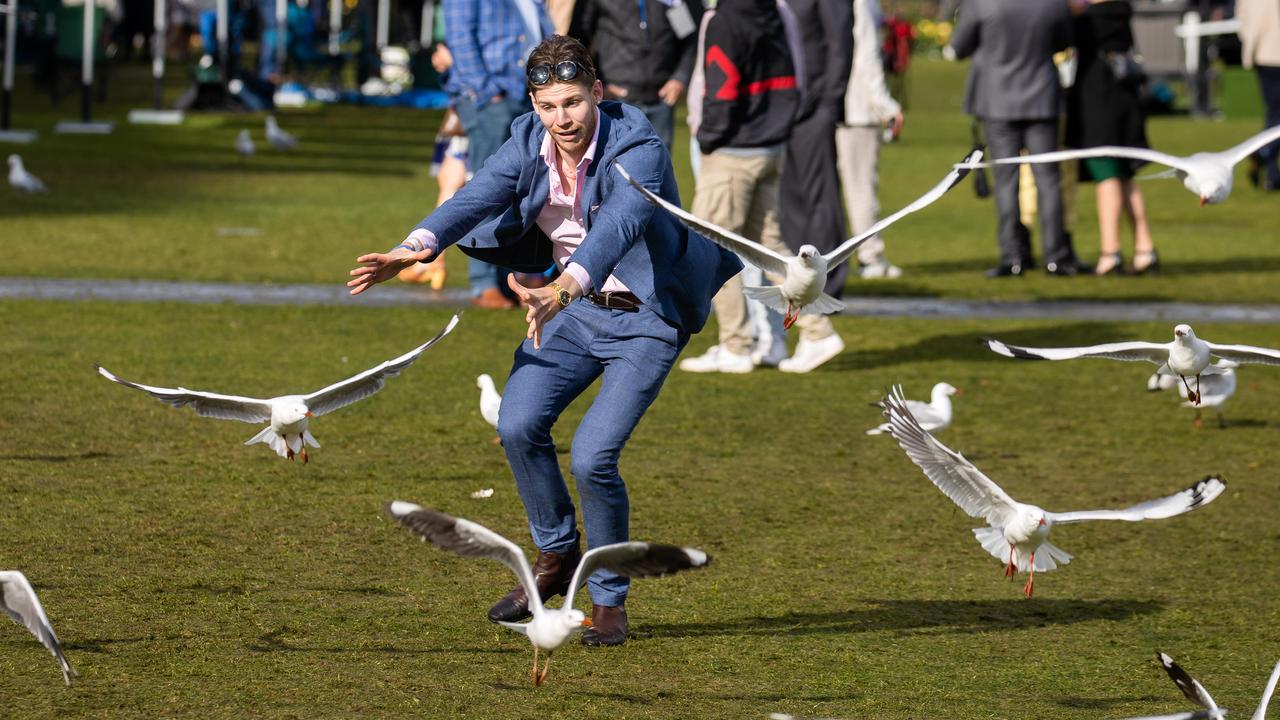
[[881, 269], [812, 353], [717, 359]]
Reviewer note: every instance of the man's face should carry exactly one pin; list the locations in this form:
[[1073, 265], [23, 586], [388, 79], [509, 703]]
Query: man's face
[[569, 113]]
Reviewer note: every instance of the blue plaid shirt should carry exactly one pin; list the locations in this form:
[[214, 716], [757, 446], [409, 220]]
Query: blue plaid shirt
[[490, 42]]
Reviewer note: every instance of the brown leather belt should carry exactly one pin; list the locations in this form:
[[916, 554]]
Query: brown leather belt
[[615, 300]]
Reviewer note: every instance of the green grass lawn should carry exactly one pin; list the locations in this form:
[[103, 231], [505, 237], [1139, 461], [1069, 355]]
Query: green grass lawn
[[191, 576]]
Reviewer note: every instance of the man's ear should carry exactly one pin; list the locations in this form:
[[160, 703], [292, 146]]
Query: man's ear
[[597, 91]]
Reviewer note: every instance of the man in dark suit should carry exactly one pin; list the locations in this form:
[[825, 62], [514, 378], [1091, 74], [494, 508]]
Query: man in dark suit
[[1013, 88], [633, 285]]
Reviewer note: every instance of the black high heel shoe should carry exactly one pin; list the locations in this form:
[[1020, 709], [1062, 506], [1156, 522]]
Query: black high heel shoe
[[1102, 267], [1152, 267]]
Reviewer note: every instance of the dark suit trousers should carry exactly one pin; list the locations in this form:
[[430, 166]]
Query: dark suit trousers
[[810, 208], [1007, 138]]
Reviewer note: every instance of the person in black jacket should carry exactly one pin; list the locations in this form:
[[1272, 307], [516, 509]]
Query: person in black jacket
[[644, 50]]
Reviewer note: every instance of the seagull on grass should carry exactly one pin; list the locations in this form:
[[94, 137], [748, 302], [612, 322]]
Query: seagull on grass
[[1215, 390], [933, 416], [287, 414], [244, 144], [490, 401], [22, 180], [1017, 532], [1186, 356], [1206, 174], [550, 628], [278, 138], [805, 273], [19, 601], [1196, 693]]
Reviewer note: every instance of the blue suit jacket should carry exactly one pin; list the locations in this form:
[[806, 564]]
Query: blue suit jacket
[[674, 271]]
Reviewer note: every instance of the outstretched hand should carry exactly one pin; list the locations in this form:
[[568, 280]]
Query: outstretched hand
[[542, 304], [377, 267]]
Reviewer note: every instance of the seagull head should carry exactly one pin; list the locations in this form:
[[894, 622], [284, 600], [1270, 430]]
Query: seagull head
[[295, 412], [15, 161], [574, 620], [946, 389], [808, 252], [1183, 333], [484, 381]]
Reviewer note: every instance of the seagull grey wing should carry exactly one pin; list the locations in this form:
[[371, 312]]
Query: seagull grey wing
[[1245, 354], [850, 246], [1190, 687], [1157, 353], [206, 404], [19, 601], [1252, 145], [1115, 151], [361, 386], [956, 477], [1201, 493], [750, 250], [1261, 712], [468, 539], [637, 560]]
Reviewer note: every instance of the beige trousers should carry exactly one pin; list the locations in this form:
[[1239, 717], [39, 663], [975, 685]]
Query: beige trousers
[[740, 193]]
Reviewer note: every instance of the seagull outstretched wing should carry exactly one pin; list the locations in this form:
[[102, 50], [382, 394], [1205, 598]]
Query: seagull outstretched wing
[[1202, 493], [1137, 350], [636, 559], [18, 600], [206, 404]]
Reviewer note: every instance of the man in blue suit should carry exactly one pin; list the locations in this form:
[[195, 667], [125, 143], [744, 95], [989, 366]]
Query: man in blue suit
[[633, 285]]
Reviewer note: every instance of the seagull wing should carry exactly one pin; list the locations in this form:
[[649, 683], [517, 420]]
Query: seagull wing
[[468, 539], [206, 404], [1157, 353], [750, 250], [1189, 686], [1155, 156], [848, 247], [637, 560], [18, 600], [957, 478], [1252, 145], [1261, 712], [1245, 354], [1202, 493], [359, 387]]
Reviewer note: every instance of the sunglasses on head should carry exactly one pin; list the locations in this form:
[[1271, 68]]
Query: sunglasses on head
[[564, 71]]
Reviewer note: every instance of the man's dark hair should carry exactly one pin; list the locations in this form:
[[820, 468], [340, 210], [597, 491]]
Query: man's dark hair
[[557, 49]]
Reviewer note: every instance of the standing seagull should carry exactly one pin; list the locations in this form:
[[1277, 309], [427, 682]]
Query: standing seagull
[[1185, 357], [22, 180], [803, 274], [1017, 531], [1207, 174], [490, 401], [244, 144], [550, 628], [933, 416], [1196, 693], [19, 601], [278, 138], [288, 414], [1215, 390]]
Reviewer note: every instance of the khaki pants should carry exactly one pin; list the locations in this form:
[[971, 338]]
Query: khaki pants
[[741, 194], [857, 153]]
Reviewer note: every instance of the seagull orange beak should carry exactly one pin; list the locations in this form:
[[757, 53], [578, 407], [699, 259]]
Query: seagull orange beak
[[586, 622], [310, 414], [1042, 522], [1204, 201]]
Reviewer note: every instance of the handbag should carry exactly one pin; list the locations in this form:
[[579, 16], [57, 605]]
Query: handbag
[[1126, 67]]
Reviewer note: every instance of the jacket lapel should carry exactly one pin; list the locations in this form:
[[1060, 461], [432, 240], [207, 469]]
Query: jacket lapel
[[590, 192]]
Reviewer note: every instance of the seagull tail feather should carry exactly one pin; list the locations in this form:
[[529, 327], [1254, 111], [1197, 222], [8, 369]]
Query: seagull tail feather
[[770, 295], [270, 439]]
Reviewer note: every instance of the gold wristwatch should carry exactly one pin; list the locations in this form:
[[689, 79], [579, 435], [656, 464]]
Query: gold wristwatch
[[562, 295]]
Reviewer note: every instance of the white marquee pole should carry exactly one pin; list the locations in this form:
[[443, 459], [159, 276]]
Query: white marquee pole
[[384, 23], [428, 24], [160, 20], [86, 64], [335, 26], [221, 33], [10, 39], [282, 28]]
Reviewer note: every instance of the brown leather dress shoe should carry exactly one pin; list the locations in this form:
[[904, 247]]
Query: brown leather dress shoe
[[608, 626], [551, 573], [492, 299]]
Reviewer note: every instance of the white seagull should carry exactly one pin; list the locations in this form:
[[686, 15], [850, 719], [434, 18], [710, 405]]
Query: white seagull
[[1207, 174], [1017, 531], [933, 416], [287, 414], [550, 628], [1186, 356], [490, 401], [803, 274], [244, 144], [1215, 390], [18, 600], [278, 138], [1196, 693], [22, 180]]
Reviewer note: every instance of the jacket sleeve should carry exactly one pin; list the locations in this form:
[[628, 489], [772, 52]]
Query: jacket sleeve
[[492, 189], [624, 215], [965, 36], [684, 68], [461, 34], [720, 102], [868, 70], [837, 27], [1063, 29]]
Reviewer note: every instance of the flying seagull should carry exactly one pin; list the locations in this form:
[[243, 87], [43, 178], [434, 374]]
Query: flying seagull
[[18, 600], [550, 628], [490, 401], [278, 138], [1215, 390], [1186, 356], [933, 416], [287, 414], [800, 276], [1207, 174], [1196, 693], [1017, 531], [22, 180]]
